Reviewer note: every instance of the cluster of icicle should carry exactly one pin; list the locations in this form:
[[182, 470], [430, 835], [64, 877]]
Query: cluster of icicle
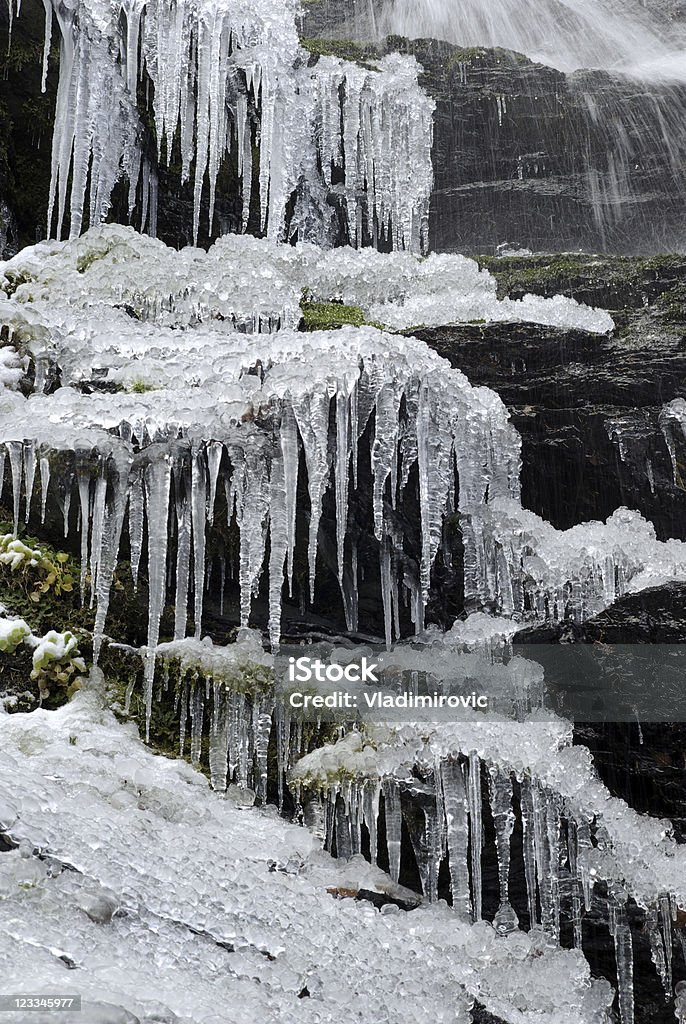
[[575, 835], [226, 78]]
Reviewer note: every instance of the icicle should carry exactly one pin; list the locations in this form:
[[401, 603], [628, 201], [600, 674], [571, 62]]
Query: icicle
[[219, 738], [183, 717], [197, 708], [621, 933], [84, 484], [529, 844], [505, 920], [278, 548], [98, 516], [183, 546], [657, 951], [393, 818], [262, 726], [572, 854], [342, 471], [386, 589], [475, 830], [289, 451], [456, 808], [665, 907], [344, 845], [29, 475], [15, 449], [44, 484], [250, 492], [136, 521], [157, 479], [546, 832], [198, 518], [46, 43], [110, 538], [215, 450], [370, 809], [283, 728], [312, 416], [426, 836]]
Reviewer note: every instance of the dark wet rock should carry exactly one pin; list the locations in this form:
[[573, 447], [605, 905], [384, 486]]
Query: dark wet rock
[[655, 616], [26, 119], [587, 406], [528, 155], [644, 765]]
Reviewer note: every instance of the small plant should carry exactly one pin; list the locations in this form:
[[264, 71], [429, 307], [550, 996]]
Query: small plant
[[52, 573], [140, 387], [56, 660], [13, 632]]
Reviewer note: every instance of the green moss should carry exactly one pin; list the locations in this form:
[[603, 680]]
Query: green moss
[[346, 49], [92, 256], [614, 282], [328, 316], [139, 387], [672, 304]]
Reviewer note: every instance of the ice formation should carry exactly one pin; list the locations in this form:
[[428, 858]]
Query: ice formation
[[89, 318], [226, 79], [673, 424], [575, 835], [105, 830], [172, 395]]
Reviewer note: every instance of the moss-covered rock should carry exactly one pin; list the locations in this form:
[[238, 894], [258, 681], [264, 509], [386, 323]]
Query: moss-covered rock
[[346, 49], [328, 316], [612, 282]]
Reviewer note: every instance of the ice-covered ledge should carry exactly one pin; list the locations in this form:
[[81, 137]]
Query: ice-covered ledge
[[195, 877]]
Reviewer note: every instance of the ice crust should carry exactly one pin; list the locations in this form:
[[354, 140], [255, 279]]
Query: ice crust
[[255, 285], [191, 877]]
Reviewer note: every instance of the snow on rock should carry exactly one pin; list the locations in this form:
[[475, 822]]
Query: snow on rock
[[222, 914], [543, 573]]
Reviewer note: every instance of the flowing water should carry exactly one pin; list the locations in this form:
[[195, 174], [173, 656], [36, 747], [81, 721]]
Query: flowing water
[[565, 34]]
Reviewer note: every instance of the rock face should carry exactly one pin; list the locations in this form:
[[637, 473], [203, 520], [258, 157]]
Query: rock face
[[587, 406], [528, 155], [26, 118]]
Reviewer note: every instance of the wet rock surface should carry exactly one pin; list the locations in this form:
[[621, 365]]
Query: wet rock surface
[[587, 406], [528, 155]]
